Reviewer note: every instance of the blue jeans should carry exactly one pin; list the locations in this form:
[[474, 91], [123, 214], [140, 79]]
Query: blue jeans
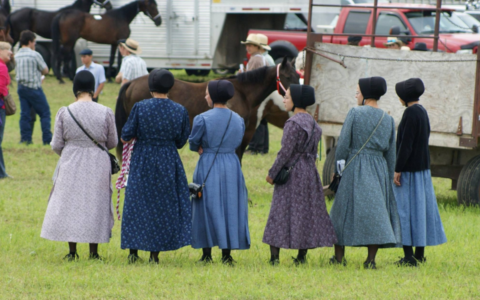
[[3, 173], [34, 98]]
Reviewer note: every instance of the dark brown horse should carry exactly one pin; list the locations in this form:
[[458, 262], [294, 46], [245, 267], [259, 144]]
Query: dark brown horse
[[112, 26], [40, 21], [251, 89]]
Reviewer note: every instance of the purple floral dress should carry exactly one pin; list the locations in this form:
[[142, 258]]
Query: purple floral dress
[[298, 217]]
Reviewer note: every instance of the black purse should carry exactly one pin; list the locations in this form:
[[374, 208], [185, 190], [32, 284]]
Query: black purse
[[115, 166], [196, 190], [337, 177], [284, 174]]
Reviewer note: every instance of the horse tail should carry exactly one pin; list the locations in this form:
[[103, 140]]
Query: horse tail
[[56, 35], [8, 25], [121, 115]]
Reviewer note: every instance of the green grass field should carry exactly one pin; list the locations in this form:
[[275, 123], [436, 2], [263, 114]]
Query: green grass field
[[31, 267]]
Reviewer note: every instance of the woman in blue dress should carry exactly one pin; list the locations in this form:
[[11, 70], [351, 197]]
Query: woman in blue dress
[[416, 201], [157, 213], [220, 216]]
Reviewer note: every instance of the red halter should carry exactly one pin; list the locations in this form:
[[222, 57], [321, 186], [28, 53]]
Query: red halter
[[279, 82]]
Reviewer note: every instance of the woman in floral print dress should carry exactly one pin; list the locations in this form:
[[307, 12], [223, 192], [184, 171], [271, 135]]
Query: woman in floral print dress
[[157, 212]]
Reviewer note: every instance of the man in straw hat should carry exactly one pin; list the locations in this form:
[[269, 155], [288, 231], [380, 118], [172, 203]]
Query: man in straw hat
[[132, 65], [265, 48], [255, 49], [393, 43]]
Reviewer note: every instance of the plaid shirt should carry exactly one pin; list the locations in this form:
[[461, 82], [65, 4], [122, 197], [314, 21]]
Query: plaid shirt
[[133, 67], [29, 68]]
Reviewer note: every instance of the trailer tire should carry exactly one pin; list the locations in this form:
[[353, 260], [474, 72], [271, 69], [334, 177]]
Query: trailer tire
[[468, 189], [45, 53], [281, 49], [197, 72], [329, 168]]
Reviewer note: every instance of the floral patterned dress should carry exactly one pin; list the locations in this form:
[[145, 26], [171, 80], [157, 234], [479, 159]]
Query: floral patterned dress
[[157, 211], [298, 217]]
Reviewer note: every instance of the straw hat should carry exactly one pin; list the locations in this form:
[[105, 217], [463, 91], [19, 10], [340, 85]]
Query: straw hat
[[132, 46], [257, 40], [264, 41], [392, 41]]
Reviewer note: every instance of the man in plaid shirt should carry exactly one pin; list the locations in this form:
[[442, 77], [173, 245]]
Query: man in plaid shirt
[[132, 65], [30, 68]]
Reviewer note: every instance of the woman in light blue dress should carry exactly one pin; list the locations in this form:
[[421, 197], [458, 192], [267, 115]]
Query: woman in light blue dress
[[417, 204], [220, 216]]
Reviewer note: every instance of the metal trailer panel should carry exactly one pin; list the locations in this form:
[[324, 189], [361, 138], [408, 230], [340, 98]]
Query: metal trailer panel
[[448, 97]]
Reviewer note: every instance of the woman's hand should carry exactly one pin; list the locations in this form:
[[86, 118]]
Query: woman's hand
[[200, 150], [396, 178], [125, 142], [269, 179]]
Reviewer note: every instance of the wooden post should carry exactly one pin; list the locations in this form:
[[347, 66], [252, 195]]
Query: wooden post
[[310, 42], [374, 23], [437, 25]]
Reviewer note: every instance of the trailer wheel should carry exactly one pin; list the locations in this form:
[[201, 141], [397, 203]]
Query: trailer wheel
[[45, 53], [197, 72], [329, 168], [281, 49], [468, 189]]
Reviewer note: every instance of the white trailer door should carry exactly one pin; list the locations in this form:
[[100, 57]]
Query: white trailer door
[[183, 28]]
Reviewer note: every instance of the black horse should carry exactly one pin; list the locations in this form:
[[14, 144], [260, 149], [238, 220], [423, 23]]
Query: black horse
[[70, 25], [40, 21]]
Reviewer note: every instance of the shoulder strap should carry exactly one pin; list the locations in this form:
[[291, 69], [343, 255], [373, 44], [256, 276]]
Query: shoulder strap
[[221, 142], [84, 131], [378, 125]]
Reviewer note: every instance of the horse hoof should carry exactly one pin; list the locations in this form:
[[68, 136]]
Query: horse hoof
[[61, 81]]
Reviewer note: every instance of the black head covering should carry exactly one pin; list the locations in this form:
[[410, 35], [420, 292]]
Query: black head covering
[[221, 91], [84, 82], [420, 47], [354, 39], [302, 95], [372, 87], [160, 81], [410, 90]]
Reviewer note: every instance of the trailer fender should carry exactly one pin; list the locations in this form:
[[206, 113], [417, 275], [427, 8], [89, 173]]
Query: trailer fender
[[281, 49]]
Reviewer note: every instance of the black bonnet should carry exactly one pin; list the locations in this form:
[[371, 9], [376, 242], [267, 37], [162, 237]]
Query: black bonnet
[[372, 87], [220, 90], [302, 95], [84, 82], [160, 81], [410, 90]]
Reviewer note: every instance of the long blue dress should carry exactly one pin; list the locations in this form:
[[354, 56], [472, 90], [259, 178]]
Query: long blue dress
[[157, 214], [220, 217]]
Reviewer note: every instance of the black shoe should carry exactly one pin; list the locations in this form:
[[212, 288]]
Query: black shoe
[[133, 258], [370, 265], [95, 256], [299, 260], [407, 262], [206, 259], [334, 261], [228, 260], [154, 260], [71, 257], [274, 262], [26, 142], [421, 260]]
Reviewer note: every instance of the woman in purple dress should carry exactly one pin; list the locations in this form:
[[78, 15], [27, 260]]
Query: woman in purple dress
[[298, 217]]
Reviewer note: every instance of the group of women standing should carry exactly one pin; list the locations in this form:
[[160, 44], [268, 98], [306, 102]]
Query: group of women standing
[[159, 214]]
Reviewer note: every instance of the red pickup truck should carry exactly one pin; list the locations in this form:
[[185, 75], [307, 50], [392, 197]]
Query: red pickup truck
[[455, 37]]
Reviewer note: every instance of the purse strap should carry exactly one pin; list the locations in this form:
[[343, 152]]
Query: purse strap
[[305, 148], [358, 152], [84, 131], [221, 142]]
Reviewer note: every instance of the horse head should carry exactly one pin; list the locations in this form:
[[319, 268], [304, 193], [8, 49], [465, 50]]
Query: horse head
[[103, 4], [286, 75], [150, 9]]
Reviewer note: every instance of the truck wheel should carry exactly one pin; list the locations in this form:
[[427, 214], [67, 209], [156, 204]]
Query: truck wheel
[[197, 72], [45, 53], [329, 168], [223, 71], [281, 49], [468, 189]]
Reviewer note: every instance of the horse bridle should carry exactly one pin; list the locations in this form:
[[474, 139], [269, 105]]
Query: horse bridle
[[146, 12], [101, 4], [279, 82]]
